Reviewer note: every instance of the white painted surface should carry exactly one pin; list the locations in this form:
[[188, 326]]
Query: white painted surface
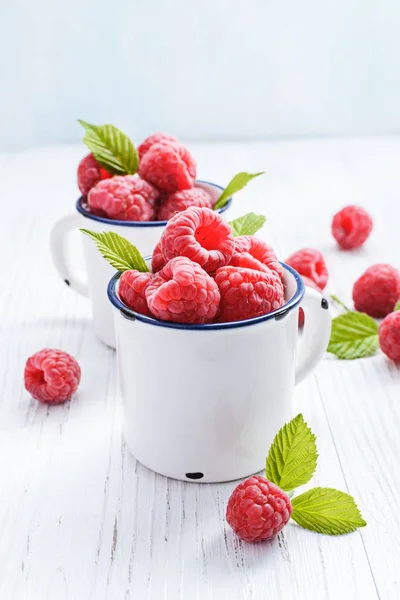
[[79, 518], [200, 69]]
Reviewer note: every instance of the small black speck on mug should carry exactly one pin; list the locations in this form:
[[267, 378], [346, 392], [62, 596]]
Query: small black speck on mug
[[197, 475]]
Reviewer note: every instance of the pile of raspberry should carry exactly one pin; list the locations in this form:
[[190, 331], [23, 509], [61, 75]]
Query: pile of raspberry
[[163, 186], [202, 274]]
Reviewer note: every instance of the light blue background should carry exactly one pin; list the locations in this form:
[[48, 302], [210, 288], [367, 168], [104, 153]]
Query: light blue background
[[201, 69]]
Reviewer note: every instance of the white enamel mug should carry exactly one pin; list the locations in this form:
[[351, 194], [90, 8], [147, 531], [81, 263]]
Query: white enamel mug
[[143, 234], [204, 402]]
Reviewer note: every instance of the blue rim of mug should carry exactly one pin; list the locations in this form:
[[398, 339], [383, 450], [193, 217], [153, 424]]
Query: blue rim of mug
[[275, 314], [89, 215]]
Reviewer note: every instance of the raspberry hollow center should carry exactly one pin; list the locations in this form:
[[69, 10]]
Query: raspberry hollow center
[[38, 376], [207, 237], [347, 225]]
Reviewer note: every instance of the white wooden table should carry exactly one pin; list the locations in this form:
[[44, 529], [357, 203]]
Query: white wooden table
[[79, 518]]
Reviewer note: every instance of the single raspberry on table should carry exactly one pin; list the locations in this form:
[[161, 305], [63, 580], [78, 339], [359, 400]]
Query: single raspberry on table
[[170, 167], [155, 138], [308, 283], [389, 336], [183, 292], [247, 293], [202, 235], [125, 198], [158, 261], [351, 227], [180, 201], [258, 509], [259, 250], [52, 376], [90, 173], [310, 263], [132, 288], [377, 290]]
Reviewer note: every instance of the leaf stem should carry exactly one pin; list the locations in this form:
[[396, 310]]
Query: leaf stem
[[337, 301]]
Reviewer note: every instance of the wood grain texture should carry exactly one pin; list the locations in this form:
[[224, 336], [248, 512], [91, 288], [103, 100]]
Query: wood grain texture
[[80, 518]]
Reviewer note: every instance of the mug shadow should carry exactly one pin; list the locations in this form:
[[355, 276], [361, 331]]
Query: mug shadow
[[211, 537]]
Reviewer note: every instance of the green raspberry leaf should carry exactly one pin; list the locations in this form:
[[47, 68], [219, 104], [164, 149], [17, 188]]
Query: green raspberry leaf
[[120, 253], [353, 335], [326, 510], [239, 181], [112, 149], [292, 458], [249, 224], [397, 307]]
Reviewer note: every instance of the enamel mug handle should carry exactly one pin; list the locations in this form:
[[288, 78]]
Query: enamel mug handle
[[316, 332], [58, 246]]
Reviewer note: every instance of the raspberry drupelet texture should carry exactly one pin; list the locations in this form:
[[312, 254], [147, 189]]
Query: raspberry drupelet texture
[[156, 138], [183, 292], [180, 201], [351, 227], [90, 173], [132, 288], [389, 336], [310, 263], [258, 509], [247, 246], [158, 261], [52, 376], [377, 290], [247, 293], [200, 234], [125, 198], [170, 167]]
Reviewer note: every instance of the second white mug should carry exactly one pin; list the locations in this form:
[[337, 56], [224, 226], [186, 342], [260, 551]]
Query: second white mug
[[143, 234]]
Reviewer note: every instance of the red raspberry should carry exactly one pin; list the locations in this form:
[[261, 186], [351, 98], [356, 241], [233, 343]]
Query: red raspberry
[[351, 226], [246, 245], [124, 197], [389, 336], [183, 292], [180, 201], [132, 288], [377, 290], [309, 283], [169, 167], [258, 509], [52, 376], [202, 235], [247, 293], [158, 261], [310, 263], [90, 173], [156, 138]]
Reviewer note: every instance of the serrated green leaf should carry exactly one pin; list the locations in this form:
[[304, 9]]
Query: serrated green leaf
[[249, 224], [353, 335], [112, 149], [397, 307], [292, 458], [238, 182], [326, 510], [120, 253]]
